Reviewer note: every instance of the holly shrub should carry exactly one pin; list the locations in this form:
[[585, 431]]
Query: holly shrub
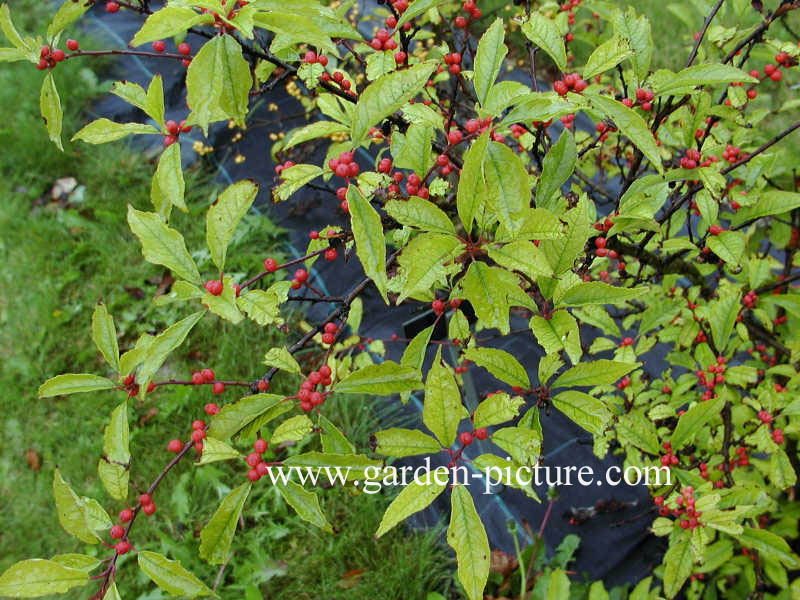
[[669, 226]]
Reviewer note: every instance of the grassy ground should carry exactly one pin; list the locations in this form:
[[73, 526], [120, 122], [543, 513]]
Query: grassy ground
[[58, 259]]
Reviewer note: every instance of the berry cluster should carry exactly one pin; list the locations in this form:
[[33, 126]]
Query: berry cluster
[[285, 165], [49, 57], [773, 72], [311, 57], [174, 130], [258, 468], [345, 167], [750, 299], [467, 437], [472, 10], [668, 458], [338, 78], [300, 278], [715, 377], [383, 41], [684, 506], [207, 376], [130, 385], [308, 395], [644, 99], [601, 250], [569, 82], [605, 226], [329, 333], [777, 436], [623, 383], [213, 287], [627, 341], [732, 153], [453, 60], [690, 159]]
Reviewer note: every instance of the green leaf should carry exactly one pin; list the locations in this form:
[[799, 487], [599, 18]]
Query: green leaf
[[281, 359], [585, 410], [38, 577], [368, 235], [489, 301], [162, 245], [313, 131], [68, 13], [115, 479], [50, 106], [333, 440], [769, 203], [598, 372], [693, 420], [557, 167], [416, 496], [305, 504], [168, 186], [81, 562], [537, 224], [509, 192], [380, 63], [104, 334], [607, 56], [111, 592], [544, 33], [597, 292], [170, 575], [563, 251], [167, 22], [488, 59], [498, 470], [353, 466], [558, 585], [729, 246], [293, 429], [386, 95], [678, 565], [382, 379], [104, 130], [218, 81], [116, 451], [214, 450], [233, 417], [522, 256], [294, 178], [442, 410], [705, 74], [217, 535], [12, 54], [164, 343], [497, 408], [501, 364], [399, 442], [632, 126], [472, 191], [769, 545], [73, 383], [722, 316], [638, 431], [130, 92], [10, 31], [261, 306], [467, 537], [419, 213], [224, 215], [412, 149], [522, 443], [415, 9], [637, 32], [73, 512], [422, 263]]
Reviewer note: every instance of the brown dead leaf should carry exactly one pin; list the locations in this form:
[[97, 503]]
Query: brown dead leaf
[[151, 412], [33, 460], [502, 562], [350, 579]]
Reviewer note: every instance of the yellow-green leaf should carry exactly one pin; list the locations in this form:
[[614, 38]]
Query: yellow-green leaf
[[467, 537], [162, 245]]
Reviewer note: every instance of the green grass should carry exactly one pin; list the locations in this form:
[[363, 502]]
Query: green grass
[[58, 261]]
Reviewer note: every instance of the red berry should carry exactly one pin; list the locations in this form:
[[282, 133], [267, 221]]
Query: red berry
[[116, 532], [328, 338], [325, 371], [184, 48], [120, 547], [301, 275], [198, 435], [72, 45], [197, 378], [197, 424], [208, 375], [175, 446], [149, 509], [211, 409], [218, 387], [481, 433], [260, 446], [145, 499], [454, 136], [253, 475], [400, 57], [214, 287], [270, 266], [112, 7], [125, 515], [262, 385], [715, 230], [437, 306], [330, 254], [460, 22], [159, 46], [465, 438]]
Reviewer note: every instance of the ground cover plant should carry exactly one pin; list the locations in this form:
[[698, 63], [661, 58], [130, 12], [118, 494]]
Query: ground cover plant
[[671, 227]]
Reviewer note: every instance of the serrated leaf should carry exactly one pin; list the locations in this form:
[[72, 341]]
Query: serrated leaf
[[416, 496], [50, 107], [116, 448], [729, 246], [705, 74], [294, 178], [537, 224], [313, 131], [774, 202], [442, 410], [167, 22], [606, 56], [383, 379], [400, 442], [305, 504], [678, 565], [522, 443], [162, 245], [501, 364], [115, 479], [81, 562], [368, 235], [423, 262], [585, 410], [636, 30], [39, 577], [261, 306], [217, 535], [293, 429], [557, 167], [487, 298], [770, 545], [215, 450], [104, 334], [387, 94], [488, 59], [163, 344], [598, 372], [217, 83], [224, 215], [72, 511], [544, 33], [73, 383], [101, 131], [417, 8], [281, 359], [168, 187], [632, 126], [420, 213], [171, 576], [497, 408], [522, 256], [597, 292], [233, 417], [467, 537]]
